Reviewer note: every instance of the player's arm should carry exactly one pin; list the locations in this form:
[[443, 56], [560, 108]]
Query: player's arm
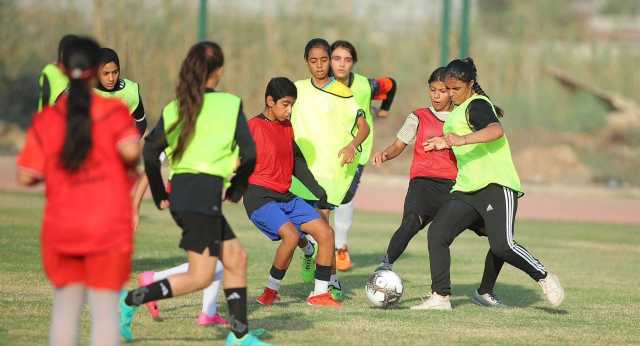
[[348, 153], [140, 117], [383, 89], [30, 162], [155, 143], [302, 172], [247, 148], [406, 135], [485, 124]]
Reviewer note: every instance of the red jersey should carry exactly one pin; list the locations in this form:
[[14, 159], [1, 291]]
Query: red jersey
[[433, 164], [274, 153], [88, 210]]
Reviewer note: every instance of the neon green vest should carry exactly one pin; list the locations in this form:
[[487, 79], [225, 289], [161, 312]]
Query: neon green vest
[[362, 92], [323, 121], [484, 163], [212, 149], [58, 83], [128, 93]]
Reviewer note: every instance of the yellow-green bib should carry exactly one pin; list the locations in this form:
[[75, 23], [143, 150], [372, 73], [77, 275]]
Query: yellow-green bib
[[362, 92], [128, 92]]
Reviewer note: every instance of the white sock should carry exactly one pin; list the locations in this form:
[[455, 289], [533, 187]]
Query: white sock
[[65, 319], [342, 220], [308, 250], [210, 294], [273, 283], [183, 268], [104, 317], [320, 287]]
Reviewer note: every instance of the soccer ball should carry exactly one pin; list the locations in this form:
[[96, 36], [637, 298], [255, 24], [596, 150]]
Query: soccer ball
[[384, 288]]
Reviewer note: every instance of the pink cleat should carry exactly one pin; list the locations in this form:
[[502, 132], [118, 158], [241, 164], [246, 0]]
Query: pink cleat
[[144, 279], [205, 320]]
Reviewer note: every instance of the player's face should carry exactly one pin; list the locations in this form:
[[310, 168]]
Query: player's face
[[341, 63], [281, 109], [439, 95], [318, 62], [108, 75], [459, 91]]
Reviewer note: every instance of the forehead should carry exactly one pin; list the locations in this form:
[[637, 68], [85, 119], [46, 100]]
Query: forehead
[[318, 52], [286, 99], [453, 81], [341, 52], [109, 67], [437, 84]]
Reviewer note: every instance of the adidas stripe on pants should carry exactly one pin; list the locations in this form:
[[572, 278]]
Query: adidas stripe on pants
[[496, 206]]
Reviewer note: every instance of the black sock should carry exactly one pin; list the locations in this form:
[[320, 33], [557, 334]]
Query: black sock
[[156, 291], [323, 273], [277, 273], [237, 302]]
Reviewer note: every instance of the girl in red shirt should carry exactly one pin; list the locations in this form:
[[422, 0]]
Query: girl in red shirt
[[433, 174], [83, 148]]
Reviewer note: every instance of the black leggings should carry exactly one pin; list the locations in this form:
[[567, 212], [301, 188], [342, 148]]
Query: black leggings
[[424, 199], [496, 207]]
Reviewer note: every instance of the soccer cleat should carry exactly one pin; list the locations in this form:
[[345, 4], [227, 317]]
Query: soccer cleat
[[552, 289], [323, 300], [309, 266], [268, 297], [487, 299], [205, 320], [434, 302], [336, 291], [249, 339], [144, 279], [126, 317], [343, 260]]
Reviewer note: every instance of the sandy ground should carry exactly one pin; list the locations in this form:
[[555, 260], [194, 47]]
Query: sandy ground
[[385, 193]]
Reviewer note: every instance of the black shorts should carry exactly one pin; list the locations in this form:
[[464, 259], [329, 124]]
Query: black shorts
[[353, 188], [201, 231]]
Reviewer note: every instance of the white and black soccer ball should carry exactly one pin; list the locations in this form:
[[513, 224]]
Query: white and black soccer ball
[[384, 288]]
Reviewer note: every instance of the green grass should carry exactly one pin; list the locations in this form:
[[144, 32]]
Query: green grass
[[597, 264]]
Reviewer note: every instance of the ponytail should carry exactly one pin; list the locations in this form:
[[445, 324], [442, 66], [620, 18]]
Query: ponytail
[[80, 60], [202, 60], [465, 70]]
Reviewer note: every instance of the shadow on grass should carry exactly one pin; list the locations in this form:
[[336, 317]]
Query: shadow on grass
[[280, 322], [157, 264], [511, 295], [552, 311]]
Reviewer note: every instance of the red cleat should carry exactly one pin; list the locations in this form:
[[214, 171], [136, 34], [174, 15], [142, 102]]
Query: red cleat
[[323, 300], [268, 297]]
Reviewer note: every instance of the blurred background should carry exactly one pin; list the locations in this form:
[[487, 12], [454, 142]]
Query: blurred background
[[565, 72]]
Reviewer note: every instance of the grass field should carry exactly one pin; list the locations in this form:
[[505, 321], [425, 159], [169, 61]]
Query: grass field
[[599, 266]]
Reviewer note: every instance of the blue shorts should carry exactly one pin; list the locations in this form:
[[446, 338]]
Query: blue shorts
[[271, 216]]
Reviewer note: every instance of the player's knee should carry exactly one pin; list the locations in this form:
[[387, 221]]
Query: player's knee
[[437, 236], [500, 249], [411, 223]]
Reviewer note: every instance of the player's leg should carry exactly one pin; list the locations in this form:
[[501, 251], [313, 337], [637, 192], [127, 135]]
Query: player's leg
[[343, 219], [284, 253], [104, 317], [65, 314], [452, 219], [499, 217], [209, 315]]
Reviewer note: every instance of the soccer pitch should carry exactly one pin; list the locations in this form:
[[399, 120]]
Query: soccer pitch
[[599, 266]]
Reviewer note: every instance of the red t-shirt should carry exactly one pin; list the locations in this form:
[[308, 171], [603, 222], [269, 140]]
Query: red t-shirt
[[274, 153], [433, 164], [89, 210]]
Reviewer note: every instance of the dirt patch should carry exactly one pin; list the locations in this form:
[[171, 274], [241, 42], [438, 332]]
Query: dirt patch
[[558, 164]]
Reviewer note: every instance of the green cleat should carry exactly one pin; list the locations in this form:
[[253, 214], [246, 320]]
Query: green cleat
[[248, 340], [126, 317], [336, 292], [309, 266]]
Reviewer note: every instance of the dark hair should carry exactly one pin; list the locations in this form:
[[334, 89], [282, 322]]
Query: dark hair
[[316, 43], [65, 41], [279, 87], [80, 61], [438, 75], [203, 58], [465, 70], [348, 46], [108, 55]]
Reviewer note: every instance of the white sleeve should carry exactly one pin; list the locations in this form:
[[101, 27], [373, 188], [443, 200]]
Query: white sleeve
[[407, 133]]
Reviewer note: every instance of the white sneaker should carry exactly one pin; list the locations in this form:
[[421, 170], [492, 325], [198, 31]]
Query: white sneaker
[[488, 299], [434, 302], [552, 289]]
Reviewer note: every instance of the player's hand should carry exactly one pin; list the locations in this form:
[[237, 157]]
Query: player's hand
[[435, 143], [347, 154], [232, 194], [383, 114], [379, 158], [164, 204], [455, 140]]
